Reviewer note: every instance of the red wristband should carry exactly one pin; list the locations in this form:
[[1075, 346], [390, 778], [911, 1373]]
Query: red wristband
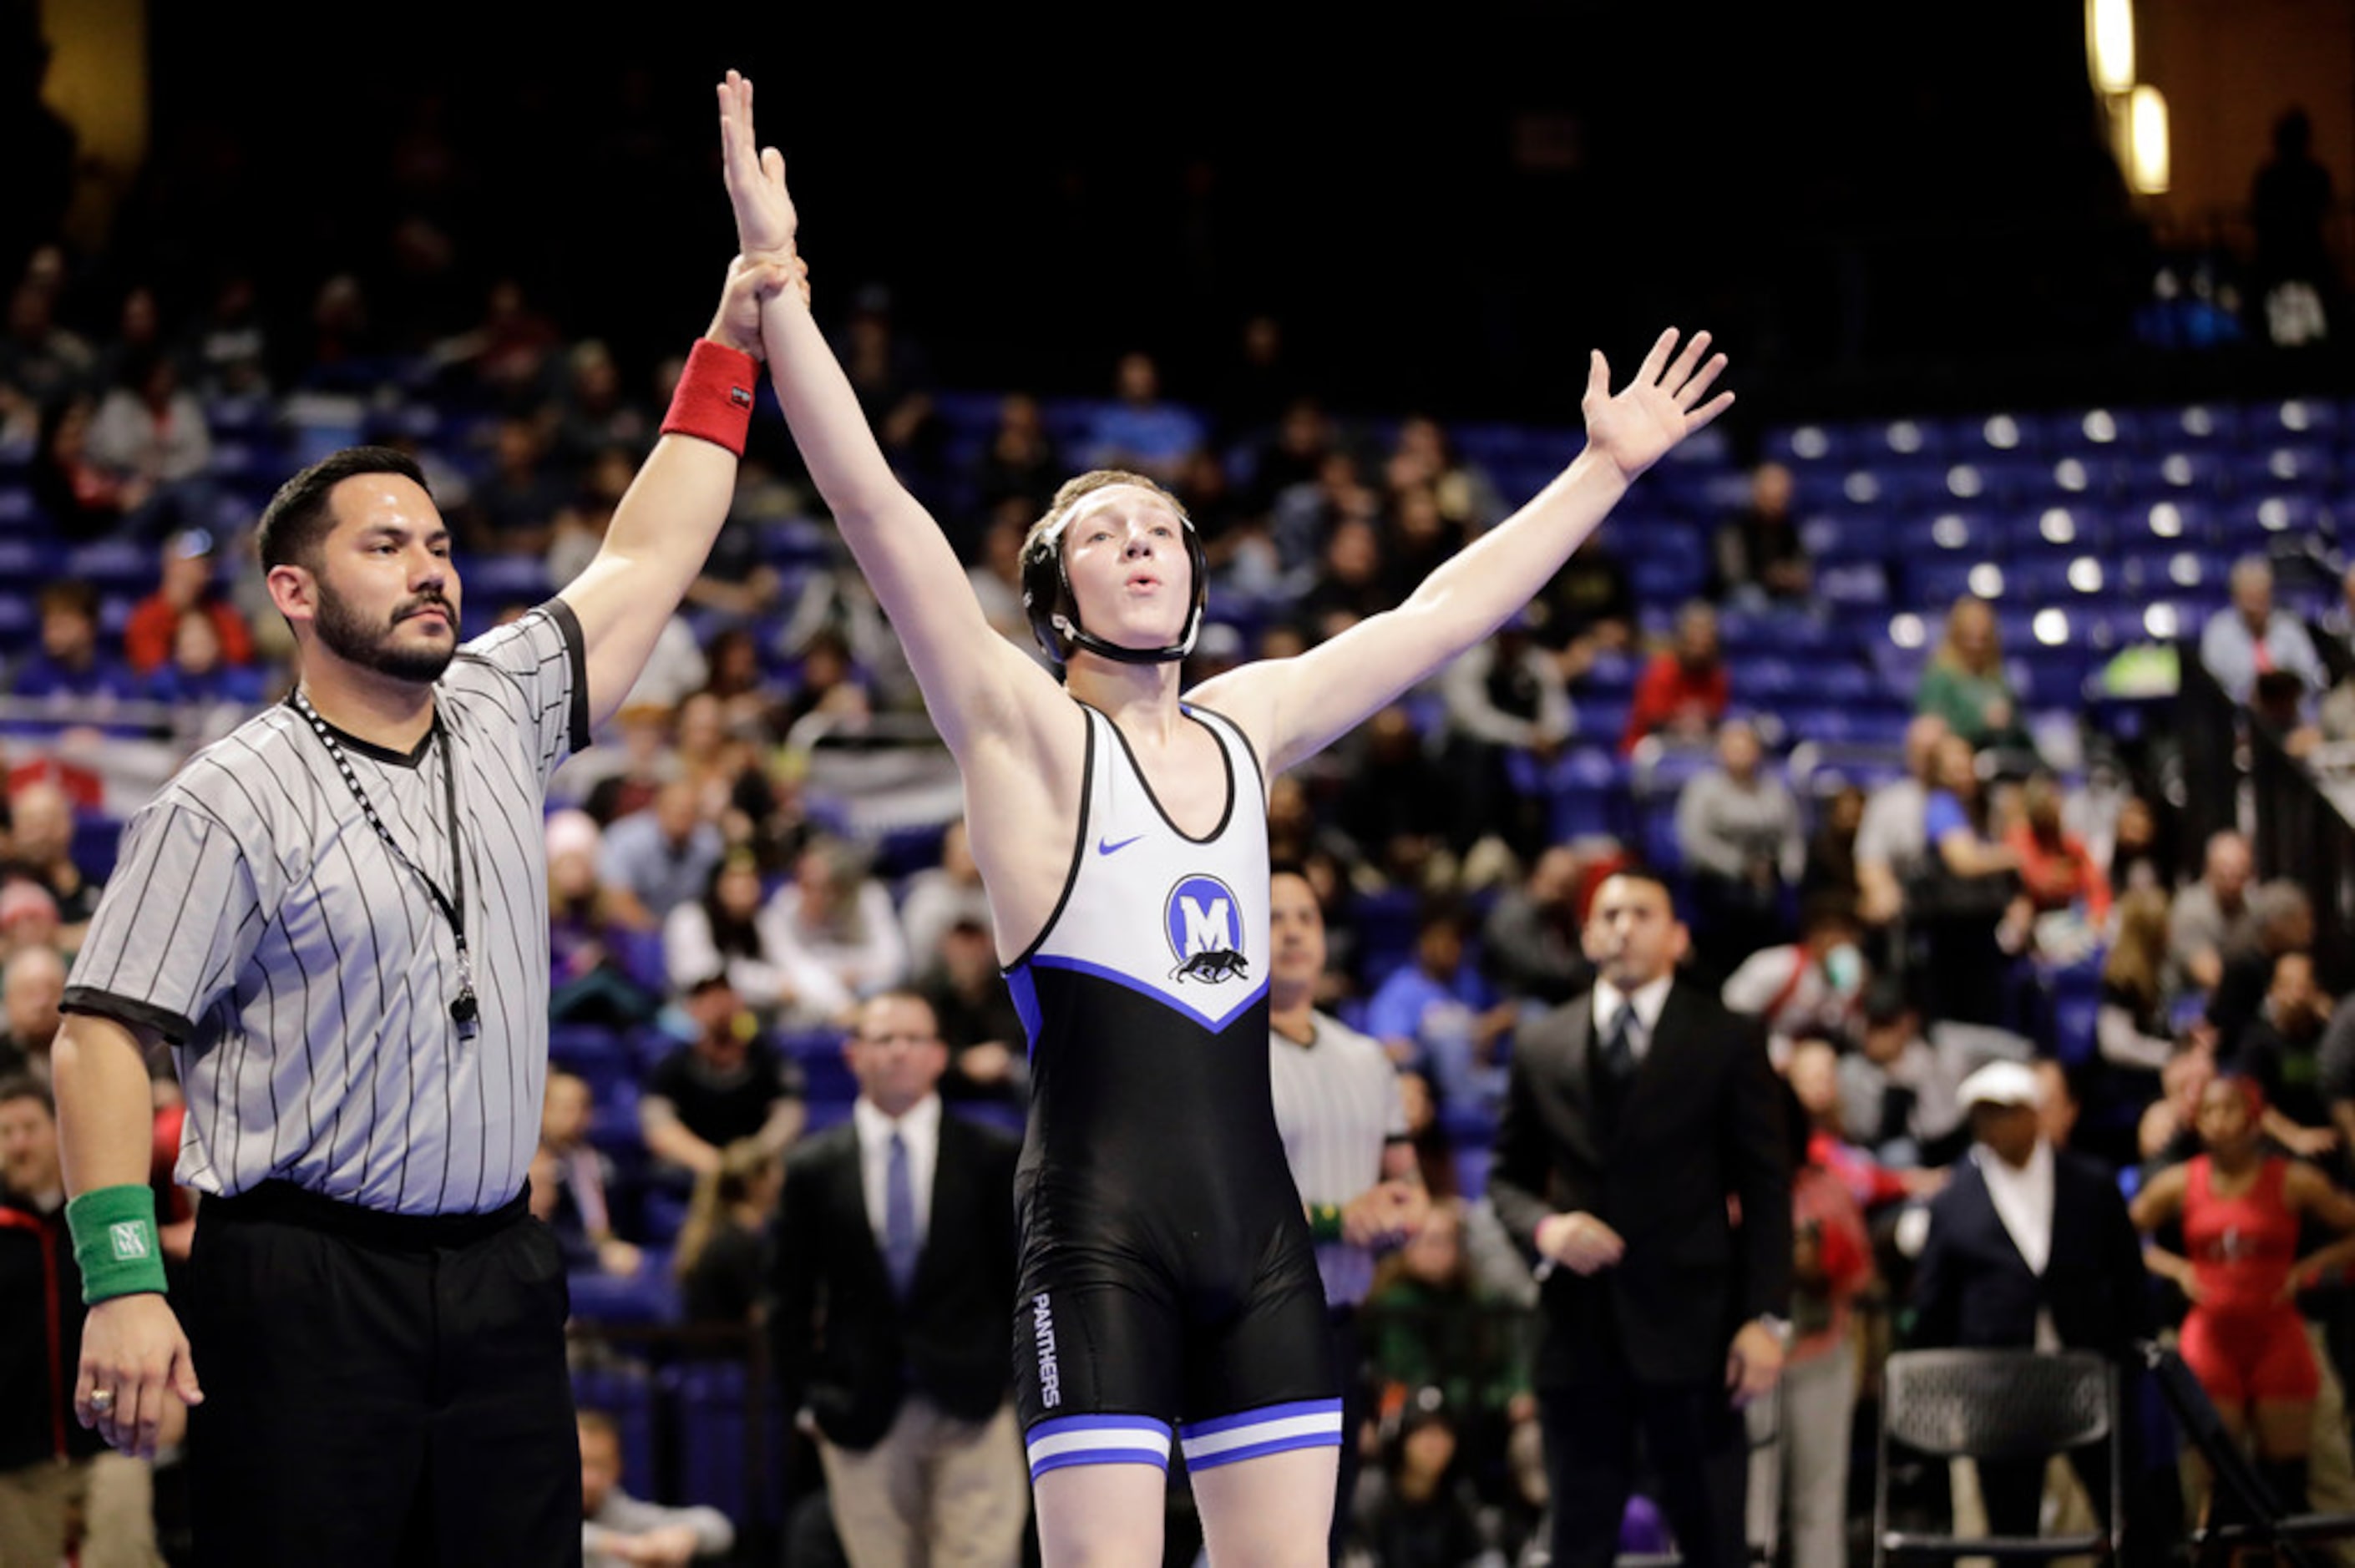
[[714, 399]]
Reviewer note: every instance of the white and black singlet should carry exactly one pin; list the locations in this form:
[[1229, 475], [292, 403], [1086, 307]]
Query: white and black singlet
[[1167, 1276]]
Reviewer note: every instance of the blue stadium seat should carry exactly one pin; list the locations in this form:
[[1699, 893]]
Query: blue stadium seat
[[97, 838], [2015, 480], [1472, 1162], [2302, 463], [1853, 583], [2087, 476], [2039, 580], [20, 514], [1949, 531], [1825, 725], [2294, 420], [27, 563], [255, 460], [1893, 486], [1832, 536], [1900, 441], [2072, 1028], [2071, 529], [708, 1400], [1600, 717], [114, 566], [1762, 681], [2196, 424], [1972, 436], [2092, 430], [1384, 922], [647, 1296], [1934, 583], [2054, 675], [1587, 793], [1802, 447], [585, 1048], [506, 579], [1836, 677], [640, 954], [2255, 520], [1612, 673], [2153, 572], [1669, 579], [2200, 472], [623, 1390], [245, 417], [2166, 519]]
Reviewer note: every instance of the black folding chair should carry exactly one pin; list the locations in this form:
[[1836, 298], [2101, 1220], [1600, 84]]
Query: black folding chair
[[2261, 1520], [1998, 1404]]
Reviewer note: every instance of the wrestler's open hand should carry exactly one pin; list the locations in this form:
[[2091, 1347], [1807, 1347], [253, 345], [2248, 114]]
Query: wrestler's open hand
[[1580, 1242], [1663, 406], [132, 1346], [765, 220]]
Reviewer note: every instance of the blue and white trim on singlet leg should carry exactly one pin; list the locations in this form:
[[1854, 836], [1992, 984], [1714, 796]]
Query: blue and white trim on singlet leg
[[1101, 1440], [1269, 1429]]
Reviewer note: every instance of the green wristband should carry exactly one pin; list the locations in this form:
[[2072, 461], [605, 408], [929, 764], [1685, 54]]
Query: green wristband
[[1325, 1221], [114, 1242]]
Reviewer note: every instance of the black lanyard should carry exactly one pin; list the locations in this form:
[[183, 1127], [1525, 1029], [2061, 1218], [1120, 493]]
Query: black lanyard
[[464, 1007]]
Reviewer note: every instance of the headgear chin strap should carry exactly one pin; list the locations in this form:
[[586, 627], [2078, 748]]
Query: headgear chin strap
[[1079, 637]]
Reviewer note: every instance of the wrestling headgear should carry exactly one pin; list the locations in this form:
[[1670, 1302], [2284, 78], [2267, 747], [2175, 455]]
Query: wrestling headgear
[[1055, 614]]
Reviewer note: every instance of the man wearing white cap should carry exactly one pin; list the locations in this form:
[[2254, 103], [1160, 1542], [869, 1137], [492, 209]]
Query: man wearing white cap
[[2030, 1246]]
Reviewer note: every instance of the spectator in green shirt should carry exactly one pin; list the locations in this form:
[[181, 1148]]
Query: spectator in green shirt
[[1965, 683]]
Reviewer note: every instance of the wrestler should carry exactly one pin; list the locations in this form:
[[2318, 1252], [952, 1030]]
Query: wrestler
[[1166, 1277]]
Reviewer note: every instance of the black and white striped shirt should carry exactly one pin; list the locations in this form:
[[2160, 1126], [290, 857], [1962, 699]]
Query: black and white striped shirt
[[1338, 1105], [305, 975]]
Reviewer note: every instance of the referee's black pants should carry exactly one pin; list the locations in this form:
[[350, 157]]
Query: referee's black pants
[[380, 1390]]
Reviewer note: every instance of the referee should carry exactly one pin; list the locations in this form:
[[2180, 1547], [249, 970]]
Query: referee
[[1343, 1119], [337, 916]]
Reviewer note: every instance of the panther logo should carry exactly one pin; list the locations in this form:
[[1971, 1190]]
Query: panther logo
[[1203, 919]]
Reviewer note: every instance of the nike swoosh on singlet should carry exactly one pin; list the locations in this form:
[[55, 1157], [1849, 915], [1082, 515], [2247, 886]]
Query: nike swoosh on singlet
[[1104, 848]]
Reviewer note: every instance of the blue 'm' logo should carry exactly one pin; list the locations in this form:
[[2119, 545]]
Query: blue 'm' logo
[[1204, 921]]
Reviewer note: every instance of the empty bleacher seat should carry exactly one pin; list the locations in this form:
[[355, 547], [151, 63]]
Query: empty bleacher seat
[[114, 566]]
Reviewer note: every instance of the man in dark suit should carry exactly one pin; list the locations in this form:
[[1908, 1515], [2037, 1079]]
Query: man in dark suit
[[2030, 1247], [894, 1307], [1642, 1161]]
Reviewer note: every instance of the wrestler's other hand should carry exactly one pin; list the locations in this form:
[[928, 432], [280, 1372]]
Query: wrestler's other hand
[[1663, 406], [765, 220]]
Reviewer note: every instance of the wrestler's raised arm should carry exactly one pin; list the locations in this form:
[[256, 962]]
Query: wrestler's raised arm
[[976, 684], [1296, 707]]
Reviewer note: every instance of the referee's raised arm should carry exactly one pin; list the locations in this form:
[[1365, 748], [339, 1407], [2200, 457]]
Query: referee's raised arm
[[664, 526], [135, 1356]]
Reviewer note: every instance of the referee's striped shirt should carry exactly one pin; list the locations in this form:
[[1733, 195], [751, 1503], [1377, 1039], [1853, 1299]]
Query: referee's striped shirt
[[1338, 1105], [305, 976]]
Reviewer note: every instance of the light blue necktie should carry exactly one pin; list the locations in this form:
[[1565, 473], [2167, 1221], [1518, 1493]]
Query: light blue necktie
[[900, 1241]]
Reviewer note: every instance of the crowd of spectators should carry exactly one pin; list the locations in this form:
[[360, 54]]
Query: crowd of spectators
[[716, 918]]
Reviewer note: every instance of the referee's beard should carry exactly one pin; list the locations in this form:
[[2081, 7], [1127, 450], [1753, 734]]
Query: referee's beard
[[350, 638]]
